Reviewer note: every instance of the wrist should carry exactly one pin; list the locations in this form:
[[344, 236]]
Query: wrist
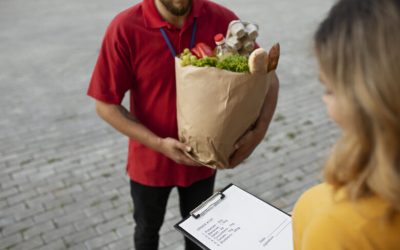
[[261, 127], [157, 144]]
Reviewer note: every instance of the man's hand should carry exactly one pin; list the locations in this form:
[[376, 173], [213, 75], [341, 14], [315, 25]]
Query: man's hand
[[249, 141], [174, 150], [245, 146]]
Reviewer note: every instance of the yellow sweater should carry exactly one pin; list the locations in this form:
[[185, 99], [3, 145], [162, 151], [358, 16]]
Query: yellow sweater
[[323, 220]]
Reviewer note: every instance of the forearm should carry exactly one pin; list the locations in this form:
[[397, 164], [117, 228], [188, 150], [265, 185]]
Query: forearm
[[269, 106], [126, 123]]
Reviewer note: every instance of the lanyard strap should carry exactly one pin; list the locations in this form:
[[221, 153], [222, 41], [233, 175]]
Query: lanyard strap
[[169, 44]]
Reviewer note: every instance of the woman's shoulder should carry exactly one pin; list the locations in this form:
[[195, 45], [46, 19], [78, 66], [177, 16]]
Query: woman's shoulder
[[322, 215], [324, 201], [315, 197]]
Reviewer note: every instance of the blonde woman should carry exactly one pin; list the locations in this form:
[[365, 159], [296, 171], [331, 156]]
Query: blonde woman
[[358, 207]]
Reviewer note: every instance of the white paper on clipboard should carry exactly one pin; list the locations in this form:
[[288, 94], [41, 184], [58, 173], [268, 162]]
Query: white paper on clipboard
[[234, 219]]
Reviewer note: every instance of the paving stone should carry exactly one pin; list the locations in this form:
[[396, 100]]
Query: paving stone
[[169, 225], [111, 225], [10, 240], [118, 211], [48, 215], [296, 173], [175, 246], [80, 246], [115, 184], [80, 236], [38, 229], [124, 199], [21, 197], [8, 192], [3, 204], [33, 243], [124, 243], [74, 207], [17, 227], [40, 176], [11, 210], [29, 212], [128, 218], [60, 202], [60, 177], [91, 221], [49, 187], [57, 233], [55, 245], [27, 186], [170, 238], [74, 215], [98, 207], [24, 172], [126, 230], [101, 240]]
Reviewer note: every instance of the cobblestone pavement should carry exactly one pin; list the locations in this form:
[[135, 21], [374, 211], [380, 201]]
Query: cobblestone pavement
[[62, 180]]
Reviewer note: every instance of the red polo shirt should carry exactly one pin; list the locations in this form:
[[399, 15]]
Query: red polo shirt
[[134, 57]]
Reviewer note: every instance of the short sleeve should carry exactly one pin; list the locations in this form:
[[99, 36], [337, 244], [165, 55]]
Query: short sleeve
[[112, 74]]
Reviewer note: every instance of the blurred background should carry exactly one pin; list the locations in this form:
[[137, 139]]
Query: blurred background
[[62, 169]]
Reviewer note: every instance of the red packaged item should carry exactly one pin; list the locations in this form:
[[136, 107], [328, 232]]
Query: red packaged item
[[201, 50]]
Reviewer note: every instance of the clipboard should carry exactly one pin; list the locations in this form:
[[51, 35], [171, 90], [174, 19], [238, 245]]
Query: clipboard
[[233, 219]]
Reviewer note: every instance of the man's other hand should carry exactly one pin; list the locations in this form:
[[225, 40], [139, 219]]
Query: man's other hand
[[245, 146]]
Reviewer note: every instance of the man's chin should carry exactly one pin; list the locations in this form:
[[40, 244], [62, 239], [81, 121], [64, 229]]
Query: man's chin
[[178, 9], [179, 12]]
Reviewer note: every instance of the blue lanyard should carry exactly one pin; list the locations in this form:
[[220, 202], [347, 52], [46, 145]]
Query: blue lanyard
[[171, 48]]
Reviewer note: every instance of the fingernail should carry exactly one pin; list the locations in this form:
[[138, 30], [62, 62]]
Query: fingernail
[[188, 149]]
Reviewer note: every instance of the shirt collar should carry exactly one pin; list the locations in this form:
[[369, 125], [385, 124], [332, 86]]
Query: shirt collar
[[153, 19]]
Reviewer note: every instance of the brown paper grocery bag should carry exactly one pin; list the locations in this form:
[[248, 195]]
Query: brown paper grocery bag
[[214, 108]]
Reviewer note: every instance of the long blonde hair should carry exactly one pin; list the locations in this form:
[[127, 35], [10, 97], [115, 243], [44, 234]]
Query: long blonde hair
[[358, 48]]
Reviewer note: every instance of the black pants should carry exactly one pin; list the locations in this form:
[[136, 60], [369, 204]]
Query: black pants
[[149, 209]]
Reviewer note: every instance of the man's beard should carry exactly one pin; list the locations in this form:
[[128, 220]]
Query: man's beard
[[176, 11]]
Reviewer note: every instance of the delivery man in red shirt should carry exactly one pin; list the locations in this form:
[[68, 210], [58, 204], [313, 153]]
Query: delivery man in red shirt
[[137, 55]]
